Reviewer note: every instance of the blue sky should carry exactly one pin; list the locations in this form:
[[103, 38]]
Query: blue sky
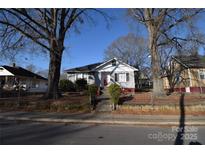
[[88, 47]]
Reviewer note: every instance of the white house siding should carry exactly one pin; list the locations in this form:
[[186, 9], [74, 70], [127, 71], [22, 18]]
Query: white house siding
[[119, 68], [71, 77], [130, 83], [107, 71], [88, 77], [30, 84], [38, 86], [34, 85], [4, 72], [111, 79]]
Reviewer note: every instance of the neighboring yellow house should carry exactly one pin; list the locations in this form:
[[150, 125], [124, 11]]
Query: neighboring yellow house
[[189, 74]]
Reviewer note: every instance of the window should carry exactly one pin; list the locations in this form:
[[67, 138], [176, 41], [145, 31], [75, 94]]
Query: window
[[1, 69], [91, 77], [84, 76], [122, 77], [79, 76], [33, 84], [202, 74], [114, 63], [127, 77]]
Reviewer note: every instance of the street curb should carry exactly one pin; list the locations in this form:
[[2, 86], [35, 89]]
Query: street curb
[[108, 122]]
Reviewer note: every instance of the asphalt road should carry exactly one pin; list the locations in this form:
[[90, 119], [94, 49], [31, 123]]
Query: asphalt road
[[23, 133]]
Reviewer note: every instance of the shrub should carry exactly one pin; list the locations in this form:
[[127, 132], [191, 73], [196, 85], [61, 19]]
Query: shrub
[[67, 86], [81, 84], [114, 90], [92, 89]]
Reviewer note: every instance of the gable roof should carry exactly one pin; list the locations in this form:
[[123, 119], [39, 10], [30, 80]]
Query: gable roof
[[19, 71], [108, 61], [93, 67], [193, 61], [86, 68]]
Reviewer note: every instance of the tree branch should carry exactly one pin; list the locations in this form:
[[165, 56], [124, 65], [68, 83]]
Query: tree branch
[[24, 13], [25, 34]]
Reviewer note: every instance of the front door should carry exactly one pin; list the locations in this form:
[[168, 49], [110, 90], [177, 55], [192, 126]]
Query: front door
[[105, 79]]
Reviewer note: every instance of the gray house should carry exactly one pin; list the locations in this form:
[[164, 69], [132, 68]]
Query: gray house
[[105, 73]]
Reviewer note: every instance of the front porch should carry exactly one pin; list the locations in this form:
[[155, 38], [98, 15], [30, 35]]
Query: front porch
[[8, 82], [105, 79]]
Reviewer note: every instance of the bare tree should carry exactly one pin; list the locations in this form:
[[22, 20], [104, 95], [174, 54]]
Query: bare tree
[[47, 28], [31, 68], [131, 49], [174, 74], [169, 67], [163, 27], [43, 72]]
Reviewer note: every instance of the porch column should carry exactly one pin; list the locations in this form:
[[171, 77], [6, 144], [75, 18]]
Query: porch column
[[6, 79], [100, 78], [75, 76], [87, 78]]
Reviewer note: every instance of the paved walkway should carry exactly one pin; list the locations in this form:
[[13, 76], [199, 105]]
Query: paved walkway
[[104, 104], [102, 118]]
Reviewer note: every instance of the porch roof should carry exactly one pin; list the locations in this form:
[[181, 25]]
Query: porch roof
[[86, 68]]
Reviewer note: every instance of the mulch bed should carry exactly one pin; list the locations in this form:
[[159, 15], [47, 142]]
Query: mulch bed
[[68, 103]]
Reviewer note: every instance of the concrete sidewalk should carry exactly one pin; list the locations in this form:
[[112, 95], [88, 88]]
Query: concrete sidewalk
[[103, 118]]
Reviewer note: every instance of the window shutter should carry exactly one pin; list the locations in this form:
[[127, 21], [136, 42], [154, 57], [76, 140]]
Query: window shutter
[[127, 77], [116, 77]]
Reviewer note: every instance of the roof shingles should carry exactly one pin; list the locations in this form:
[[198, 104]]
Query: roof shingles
[[192, 61], [86, 68], [19, 71]]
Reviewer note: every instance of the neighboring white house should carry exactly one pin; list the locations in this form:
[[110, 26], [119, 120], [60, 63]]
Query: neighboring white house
[[10, 77], [103, 74]]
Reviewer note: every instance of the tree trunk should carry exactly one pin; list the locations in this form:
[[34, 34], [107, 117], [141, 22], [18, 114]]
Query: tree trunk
[[54, 73], [158, 89], [171, 83]]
